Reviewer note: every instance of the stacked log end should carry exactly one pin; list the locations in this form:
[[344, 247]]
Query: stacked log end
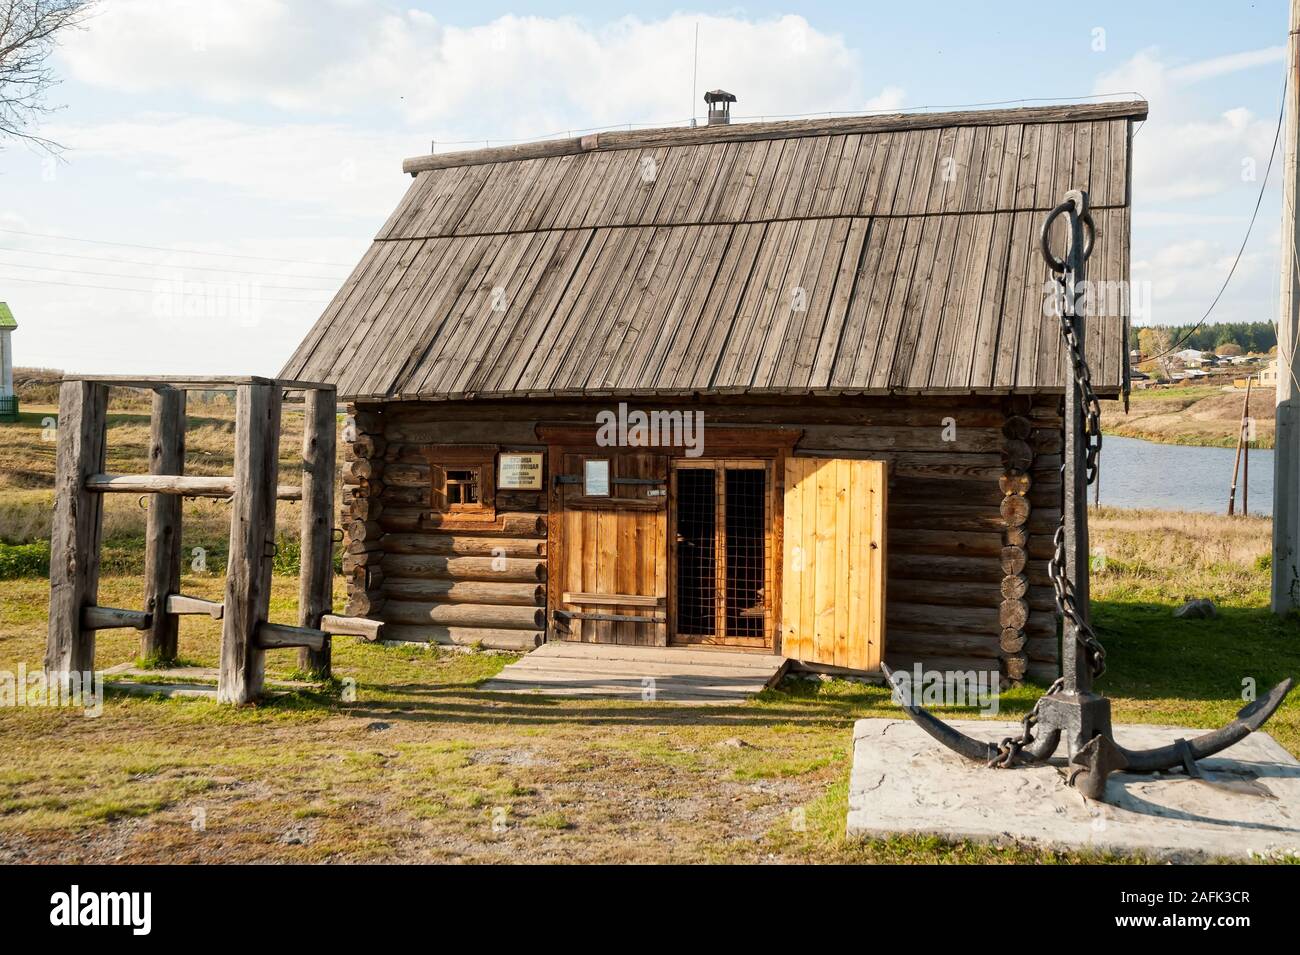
[[1013, 610], [364, 449]]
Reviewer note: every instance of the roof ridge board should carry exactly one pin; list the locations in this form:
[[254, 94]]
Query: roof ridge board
[[781, 129]]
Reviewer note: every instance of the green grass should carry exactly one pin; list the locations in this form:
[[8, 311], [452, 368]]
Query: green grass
[[422, 766]]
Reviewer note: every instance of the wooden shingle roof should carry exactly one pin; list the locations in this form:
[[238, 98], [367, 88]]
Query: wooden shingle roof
[[863, 255]]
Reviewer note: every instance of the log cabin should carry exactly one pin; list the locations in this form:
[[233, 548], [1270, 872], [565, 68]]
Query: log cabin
[[788, 387]]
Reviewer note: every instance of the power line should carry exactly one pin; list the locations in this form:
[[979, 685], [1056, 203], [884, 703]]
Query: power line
[[164, 265], [1277, 134], [159, 248], [118, 275], [143, 291]]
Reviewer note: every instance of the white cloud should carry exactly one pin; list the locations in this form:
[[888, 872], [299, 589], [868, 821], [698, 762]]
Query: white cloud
[[292, 111], [515, 77], [347, 171], [1180, 153], [1185, 277], [1196, 176], [1224, 65]]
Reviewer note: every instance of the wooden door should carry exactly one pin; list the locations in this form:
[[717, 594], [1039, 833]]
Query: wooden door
[[612, 573], [833, 571], [723, 553]]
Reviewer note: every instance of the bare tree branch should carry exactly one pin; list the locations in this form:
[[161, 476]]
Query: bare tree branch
[[29, 30]]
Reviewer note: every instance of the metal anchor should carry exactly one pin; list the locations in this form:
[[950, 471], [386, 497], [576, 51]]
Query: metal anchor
[[1070, 710]]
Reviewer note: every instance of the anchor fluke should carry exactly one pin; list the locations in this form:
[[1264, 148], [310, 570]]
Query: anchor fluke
[[958, 742], [1249, 719]]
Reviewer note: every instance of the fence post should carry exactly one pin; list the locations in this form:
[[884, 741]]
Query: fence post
[[252, 541], [316, 573], [162, 550], [76, 529]]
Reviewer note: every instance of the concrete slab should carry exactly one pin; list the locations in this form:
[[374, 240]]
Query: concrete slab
[[904, 782]]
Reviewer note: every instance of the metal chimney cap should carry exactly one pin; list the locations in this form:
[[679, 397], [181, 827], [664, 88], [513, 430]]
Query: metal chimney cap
[[719, 96]]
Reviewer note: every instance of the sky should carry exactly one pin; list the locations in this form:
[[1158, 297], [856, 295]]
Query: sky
[[226, 164]]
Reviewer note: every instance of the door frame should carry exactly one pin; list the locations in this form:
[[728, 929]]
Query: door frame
[[769, 444], [771, 558]]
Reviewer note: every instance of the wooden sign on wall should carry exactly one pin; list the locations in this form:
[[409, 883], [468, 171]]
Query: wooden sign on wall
[[520, 472]]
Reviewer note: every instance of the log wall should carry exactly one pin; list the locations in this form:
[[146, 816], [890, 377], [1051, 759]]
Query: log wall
[[967, 584]]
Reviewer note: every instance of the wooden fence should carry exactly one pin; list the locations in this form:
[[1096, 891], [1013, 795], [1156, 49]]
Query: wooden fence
[[253, 490]]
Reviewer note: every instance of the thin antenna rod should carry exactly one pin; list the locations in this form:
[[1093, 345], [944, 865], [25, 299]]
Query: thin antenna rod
[[695, 72]]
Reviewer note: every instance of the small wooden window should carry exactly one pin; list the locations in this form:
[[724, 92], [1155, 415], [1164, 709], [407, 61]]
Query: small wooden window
[[462, 481], [463, 489]]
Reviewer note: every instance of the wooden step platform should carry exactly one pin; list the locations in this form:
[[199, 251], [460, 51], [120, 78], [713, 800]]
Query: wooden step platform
[[649, 674]]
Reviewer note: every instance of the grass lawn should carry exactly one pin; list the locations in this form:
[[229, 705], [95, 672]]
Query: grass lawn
[[421, 766]]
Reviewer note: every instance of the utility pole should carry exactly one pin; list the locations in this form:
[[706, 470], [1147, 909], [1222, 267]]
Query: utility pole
[[1286, 456]]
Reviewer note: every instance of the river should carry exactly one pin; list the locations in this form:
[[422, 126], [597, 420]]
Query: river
[[1138, 473]]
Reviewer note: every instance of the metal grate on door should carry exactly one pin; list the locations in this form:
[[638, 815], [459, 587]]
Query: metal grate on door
[[746, 555], [697, 593]]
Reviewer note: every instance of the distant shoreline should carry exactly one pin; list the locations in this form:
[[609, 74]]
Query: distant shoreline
[[1203, 416]]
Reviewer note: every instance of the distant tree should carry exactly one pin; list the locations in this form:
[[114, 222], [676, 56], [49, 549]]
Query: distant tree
[[1146, 342], [1254, 337], [29, 30], [1161, 344], [1229, 350]]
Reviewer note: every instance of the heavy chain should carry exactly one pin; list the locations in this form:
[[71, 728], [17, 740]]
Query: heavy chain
[[1066, 603], [1010, 747], [1082, 378]]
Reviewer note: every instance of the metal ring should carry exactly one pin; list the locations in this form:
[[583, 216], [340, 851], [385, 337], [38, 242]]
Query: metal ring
[[1055, 264]]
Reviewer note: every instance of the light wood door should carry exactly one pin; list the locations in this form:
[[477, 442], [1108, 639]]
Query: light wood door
[[613, 554], [833, 571]]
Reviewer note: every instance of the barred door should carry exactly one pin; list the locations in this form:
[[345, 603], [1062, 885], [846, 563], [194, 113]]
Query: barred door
[[722, 549]]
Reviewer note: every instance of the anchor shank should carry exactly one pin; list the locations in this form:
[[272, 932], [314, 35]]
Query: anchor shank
[[1075, 668]]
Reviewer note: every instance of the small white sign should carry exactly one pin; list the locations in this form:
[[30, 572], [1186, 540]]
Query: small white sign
[[520, 472], [595, 478]]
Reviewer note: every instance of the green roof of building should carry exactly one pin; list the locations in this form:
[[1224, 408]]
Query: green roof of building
[[6, 317]]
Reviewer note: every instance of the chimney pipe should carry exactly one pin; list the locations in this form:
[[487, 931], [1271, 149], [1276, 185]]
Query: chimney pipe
[[719, 107]]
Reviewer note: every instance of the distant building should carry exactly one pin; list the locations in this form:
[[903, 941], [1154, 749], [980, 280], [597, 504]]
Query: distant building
[[8, 400], [1268, 374]]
